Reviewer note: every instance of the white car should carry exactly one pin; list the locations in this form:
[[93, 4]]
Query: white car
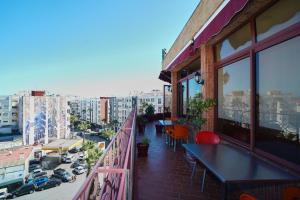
[[3, 193], [68, 159], [37, 171], [79, 170]]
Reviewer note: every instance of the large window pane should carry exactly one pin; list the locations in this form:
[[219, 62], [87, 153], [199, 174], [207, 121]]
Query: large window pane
[[234, 100], [278, 88], [194, 88], [278, 17], [235, 42], [182, 88]]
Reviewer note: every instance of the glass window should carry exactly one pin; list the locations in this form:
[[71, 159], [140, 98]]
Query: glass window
[[274, 19], [278, 95], [183, 97], [235, 42], [193, 89], [234, 100]]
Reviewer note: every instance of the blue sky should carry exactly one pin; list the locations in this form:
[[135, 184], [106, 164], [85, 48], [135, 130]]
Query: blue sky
[[90, 47]]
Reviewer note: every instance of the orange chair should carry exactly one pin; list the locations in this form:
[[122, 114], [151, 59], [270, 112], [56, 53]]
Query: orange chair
[[180, 132], [245, 196], [291, 193], [169, 129]]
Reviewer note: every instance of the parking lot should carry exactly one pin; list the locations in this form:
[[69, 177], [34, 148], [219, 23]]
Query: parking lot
[[65, 191]]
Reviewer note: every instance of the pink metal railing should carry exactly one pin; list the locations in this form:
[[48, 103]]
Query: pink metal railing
[[111, 177]]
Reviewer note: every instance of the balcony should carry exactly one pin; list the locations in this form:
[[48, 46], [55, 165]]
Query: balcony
[[164, 174], [119, 174]]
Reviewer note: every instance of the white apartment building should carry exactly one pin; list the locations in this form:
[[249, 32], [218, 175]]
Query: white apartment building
[[155, 97], [8, 113], [43, 118], [88, 109], [124, 106]]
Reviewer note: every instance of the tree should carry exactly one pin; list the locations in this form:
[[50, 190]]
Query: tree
[[113, 124], [108, 133], [73, 120], [195, 109], [93, 155], [150, 110], [84, 126]]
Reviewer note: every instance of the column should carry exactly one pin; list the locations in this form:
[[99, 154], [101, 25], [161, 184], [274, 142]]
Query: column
[[174, 106], [209, 87]]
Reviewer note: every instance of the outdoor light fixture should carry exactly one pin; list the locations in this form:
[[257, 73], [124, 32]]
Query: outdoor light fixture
[[169, 88], [198, 78]]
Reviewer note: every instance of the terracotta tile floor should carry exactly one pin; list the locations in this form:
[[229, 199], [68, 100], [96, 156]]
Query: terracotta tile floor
[[164, 174]]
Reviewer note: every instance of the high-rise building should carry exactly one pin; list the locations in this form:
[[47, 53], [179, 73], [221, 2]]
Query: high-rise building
[[9, 113], [43, 118]]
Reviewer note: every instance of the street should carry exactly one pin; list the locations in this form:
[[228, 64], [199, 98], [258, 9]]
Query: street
[[66, 191]]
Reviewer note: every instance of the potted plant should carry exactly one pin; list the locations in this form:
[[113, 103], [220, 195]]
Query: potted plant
[[141, 123], [195, 109], [149, 111], [143, 147]]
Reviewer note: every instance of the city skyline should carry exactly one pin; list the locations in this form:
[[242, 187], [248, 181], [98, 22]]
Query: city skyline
[[75, 48]]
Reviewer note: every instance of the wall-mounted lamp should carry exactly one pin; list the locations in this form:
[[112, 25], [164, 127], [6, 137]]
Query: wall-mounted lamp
[[198, 78], [169, 88]]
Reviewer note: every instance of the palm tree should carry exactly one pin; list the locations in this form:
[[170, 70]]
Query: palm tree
[[73, 120], [84, 126], [92, 157], [108, 133]]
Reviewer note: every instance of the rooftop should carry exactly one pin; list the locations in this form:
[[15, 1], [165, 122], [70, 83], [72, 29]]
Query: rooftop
[[14, 156]]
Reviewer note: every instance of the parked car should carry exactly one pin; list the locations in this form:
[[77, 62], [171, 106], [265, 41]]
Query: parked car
[[74, 150], [3, 193], [53, 182], [34, 166], [63, 176], [68, 159], [79, 170], [35, 171], [24, 189], [59, 170], [34, 176], [34, 161], [39, 180], [75, 164]]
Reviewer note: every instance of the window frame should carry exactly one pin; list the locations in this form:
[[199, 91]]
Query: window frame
[[179, 82], [256, 46]]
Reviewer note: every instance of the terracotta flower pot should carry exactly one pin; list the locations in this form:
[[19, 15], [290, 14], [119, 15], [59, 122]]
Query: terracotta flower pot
[[142, 149], [158, 128]]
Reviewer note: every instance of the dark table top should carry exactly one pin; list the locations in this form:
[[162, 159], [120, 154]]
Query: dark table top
[[167, 122], [233, 164]]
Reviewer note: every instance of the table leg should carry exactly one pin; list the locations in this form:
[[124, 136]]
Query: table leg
[[224, 191]]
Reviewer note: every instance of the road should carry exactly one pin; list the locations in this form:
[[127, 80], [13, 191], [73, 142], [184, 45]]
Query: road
[[66, 191]]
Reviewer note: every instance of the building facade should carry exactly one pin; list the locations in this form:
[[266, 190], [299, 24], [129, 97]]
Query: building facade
[[124, 106], [8, 113], [246, 51], [155, 98], [43, 118]]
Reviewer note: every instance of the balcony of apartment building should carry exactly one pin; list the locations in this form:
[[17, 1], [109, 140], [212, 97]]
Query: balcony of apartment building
[[165, 173]]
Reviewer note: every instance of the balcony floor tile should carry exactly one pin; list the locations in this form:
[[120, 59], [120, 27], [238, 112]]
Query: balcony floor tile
[[164, 174]]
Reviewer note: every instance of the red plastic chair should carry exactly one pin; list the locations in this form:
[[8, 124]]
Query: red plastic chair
[[171, 118], [245, 196], [202, 137], [291, 193], [207, 137]]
